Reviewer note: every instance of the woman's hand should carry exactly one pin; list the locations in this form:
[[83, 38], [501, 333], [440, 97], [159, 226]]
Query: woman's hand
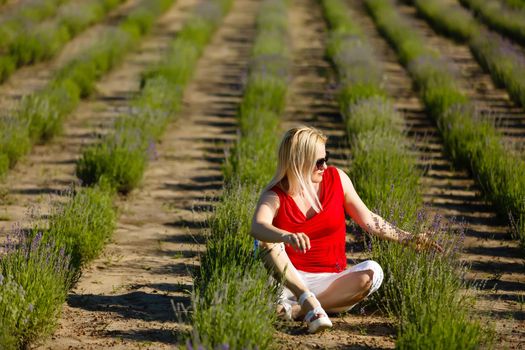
[[423, 241], [300, 242]]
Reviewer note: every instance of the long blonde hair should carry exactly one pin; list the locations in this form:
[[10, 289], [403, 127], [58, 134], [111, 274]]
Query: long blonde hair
[[296, 159]]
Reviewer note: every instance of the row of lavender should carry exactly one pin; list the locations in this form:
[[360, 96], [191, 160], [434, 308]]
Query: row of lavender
[[505, 17], [422, 289], [24, 15], [40, 116], [234, 299], [501, 59], [28, 42], [469, 138]]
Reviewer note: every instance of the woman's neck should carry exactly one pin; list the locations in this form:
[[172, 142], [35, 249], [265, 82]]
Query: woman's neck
[[285, 186]]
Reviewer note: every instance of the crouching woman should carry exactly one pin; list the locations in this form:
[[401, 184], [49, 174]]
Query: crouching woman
[[300, 221]]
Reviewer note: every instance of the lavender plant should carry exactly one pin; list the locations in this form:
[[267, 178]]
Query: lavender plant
[[25, 15], [37, 281], [231, 278], [81, 226], [43, 113], [122, 156], [418, 285], [43, 41], [495, 55], [509, 21], [470, 141]]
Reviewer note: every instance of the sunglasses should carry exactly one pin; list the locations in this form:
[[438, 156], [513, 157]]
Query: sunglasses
[[319, 163]]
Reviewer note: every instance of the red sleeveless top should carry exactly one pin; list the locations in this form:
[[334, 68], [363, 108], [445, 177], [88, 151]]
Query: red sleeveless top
[[326, 229]]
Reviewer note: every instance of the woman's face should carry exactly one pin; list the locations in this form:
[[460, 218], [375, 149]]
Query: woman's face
[[319, 164]]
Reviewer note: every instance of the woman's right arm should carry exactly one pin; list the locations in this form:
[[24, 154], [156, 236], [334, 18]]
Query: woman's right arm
[[264, 230]]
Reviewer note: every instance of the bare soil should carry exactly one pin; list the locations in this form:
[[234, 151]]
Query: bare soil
[[495, 258]]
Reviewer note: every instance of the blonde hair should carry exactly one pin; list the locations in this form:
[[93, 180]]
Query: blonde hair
[[296, 159]]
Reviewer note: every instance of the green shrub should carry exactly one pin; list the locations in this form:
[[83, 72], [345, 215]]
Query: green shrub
[[121, 159], [231, 279], [41, 279], [82, 225], [14, 140]]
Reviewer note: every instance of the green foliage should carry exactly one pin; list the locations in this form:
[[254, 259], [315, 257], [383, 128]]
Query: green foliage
[[506, 20], [7, 67], [122, 156], [43, 113], [418, 285], [495, 55], [36, 283], [14, 140], [121, 159], [43, 41], [231, 278], [237, 310], [456, 22], [468, 140], [13, 310], [425, 292], [24, 16], [83, 223], [517, 4]]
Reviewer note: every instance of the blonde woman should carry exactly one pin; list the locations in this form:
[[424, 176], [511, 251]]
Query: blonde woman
[[300, 221]]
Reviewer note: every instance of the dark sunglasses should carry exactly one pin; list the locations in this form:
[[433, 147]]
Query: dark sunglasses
[[319, 163]]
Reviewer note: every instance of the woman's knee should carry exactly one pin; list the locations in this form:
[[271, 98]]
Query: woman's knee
[[376, 275]]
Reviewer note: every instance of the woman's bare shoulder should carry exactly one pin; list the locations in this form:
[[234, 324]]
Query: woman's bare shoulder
[[345, 180], [271, 199]]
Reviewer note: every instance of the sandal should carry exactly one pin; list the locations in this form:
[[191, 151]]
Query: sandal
[[316, 319]]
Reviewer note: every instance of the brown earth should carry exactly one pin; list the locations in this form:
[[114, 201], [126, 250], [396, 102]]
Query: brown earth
[[124, 298], [495, 258]]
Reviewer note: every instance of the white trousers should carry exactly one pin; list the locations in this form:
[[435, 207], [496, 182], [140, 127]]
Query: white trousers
[[318, 282]]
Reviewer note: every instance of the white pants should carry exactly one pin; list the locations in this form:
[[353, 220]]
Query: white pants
[[318, 282]]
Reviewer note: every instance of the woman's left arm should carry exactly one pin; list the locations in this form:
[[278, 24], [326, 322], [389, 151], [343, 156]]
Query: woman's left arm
[[366, 219], [375, 224]]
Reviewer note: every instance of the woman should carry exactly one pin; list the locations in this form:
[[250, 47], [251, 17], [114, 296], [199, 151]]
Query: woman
[[300, 221]]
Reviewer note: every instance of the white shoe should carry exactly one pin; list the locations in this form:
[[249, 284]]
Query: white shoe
[[316, 319]]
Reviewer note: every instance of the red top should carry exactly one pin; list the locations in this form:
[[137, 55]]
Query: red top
[[326, 229]]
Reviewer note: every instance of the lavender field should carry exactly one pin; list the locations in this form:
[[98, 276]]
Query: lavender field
[[136, 136]]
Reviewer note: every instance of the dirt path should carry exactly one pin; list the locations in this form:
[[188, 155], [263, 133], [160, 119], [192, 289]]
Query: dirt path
[[29, 79], [489, 99], [51, 168], [494, 257], [123, 299], [311, 102]]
